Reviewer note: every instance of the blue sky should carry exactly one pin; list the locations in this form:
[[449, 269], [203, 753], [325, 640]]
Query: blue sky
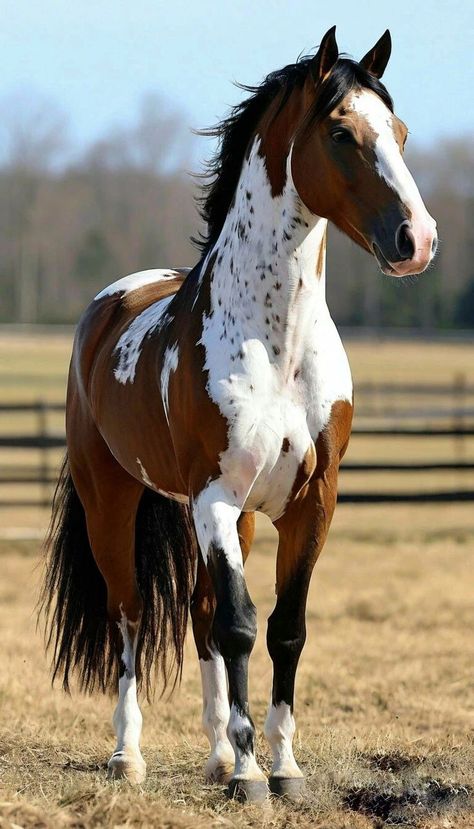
[[96, 58]]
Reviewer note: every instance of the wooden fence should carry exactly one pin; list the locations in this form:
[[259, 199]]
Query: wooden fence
[[440, 412]]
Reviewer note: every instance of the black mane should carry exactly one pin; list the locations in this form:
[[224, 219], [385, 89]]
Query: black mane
[[235, 131]]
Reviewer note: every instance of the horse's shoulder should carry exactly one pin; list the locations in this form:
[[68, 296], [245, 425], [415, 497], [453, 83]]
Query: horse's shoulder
[[136, 292]]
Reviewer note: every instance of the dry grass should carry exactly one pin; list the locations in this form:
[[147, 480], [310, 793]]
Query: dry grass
[[384, 697]]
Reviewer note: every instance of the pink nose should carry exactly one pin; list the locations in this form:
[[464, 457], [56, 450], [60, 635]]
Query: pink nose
[[416, 243]]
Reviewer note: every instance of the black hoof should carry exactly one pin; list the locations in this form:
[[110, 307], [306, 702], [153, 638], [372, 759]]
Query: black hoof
[[289, 787], [247, 791]]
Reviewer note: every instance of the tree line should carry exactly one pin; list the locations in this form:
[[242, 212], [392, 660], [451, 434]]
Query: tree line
[[71, 222]]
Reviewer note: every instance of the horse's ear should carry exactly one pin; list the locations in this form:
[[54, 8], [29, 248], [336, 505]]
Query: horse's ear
[[377, 58], [326, 56]]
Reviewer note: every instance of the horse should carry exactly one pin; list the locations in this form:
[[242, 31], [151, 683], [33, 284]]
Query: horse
[[198, 397]]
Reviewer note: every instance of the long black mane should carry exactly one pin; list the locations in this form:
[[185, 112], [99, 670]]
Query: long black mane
[[234, 132]]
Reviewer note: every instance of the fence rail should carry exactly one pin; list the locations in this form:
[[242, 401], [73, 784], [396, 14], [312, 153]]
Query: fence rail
[[458, 417]]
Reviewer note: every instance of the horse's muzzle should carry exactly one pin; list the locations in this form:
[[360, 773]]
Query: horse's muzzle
[[410, 250]]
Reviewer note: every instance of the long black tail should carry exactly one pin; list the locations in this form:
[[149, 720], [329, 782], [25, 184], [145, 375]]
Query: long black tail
[[74, 596]]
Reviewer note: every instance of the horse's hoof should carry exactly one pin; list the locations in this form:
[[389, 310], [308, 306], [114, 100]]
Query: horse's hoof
[[290, 787], [247, 791], [123, 767], [220, 772]]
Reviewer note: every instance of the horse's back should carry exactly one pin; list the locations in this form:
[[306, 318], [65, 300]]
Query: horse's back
[[137, 291]]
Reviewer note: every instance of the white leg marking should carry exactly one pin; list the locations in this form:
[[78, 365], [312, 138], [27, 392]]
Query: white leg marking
[[246, 766], [127, 761], [215, 520], [279, 731], [215, 718]]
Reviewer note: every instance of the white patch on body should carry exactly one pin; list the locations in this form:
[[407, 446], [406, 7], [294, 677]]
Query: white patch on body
[[130, 343], [215, 520], [269, 322], [215, 715], [170, 363], [390, 164], [137, 280], [127, 719], [144, 475], [175, 496], [279, 731]]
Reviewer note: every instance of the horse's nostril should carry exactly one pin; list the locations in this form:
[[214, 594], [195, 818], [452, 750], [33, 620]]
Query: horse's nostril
[[404, 241], [434, 245]]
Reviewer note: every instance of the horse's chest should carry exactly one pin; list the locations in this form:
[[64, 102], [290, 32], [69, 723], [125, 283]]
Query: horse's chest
[[275, 412], [284, 455]]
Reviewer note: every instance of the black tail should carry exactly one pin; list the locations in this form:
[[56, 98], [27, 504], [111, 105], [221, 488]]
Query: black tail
[[74, 595]]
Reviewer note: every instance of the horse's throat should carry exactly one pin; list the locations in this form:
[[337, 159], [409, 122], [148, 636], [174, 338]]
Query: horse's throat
[[268, 279]]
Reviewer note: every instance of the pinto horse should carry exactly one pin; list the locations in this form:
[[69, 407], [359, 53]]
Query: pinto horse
[[198, 397]]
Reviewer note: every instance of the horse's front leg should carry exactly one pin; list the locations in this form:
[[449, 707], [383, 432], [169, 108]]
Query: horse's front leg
[[215, 707], [234, 628], [302, 533]]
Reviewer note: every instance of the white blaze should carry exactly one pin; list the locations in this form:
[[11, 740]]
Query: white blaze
[[390, 164]]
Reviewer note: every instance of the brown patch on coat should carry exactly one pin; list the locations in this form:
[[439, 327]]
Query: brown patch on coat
[[137, 300], [304, 472], [304, 526], [276, 129]]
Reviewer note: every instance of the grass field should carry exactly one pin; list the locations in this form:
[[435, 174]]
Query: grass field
[[385, 692]]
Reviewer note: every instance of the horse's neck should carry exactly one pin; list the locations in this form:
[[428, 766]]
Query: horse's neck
[[268, 277]]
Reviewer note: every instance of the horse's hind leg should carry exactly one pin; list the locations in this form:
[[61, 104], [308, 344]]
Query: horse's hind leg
[[216, 711], [110, 498]]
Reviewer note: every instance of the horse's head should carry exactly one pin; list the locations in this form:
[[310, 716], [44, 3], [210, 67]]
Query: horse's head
[[347, 160]]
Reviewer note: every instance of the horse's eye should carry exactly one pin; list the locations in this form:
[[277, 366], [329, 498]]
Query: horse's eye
[[342, 136]]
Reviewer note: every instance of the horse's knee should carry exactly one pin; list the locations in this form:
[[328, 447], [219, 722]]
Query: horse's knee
[[235, 617], [285, 638], [235, 627]]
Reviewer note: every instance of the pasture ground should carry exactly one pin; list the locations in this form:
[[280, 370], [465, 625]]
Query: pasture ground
[[385, 694]]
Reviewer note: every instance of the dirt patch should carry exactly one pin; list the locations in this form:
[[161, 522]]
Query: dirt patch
[[391, 806], [394, 762]]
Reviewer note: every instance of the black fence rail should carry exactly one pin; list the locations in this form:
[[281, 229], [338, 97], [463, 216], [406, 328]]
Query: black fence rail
[[454, 405]]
